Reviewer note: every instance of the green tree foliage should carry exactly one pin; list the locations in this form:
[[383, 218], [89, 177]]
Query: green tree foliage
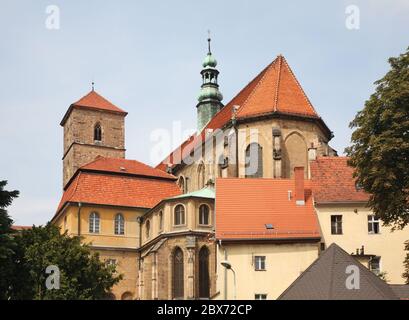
[[82, 274], [7, 245], [380, 145]]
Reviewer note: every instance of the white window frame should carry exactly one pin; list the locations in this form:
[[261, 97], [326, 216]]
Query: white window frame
[[336, 224], [372, 220], [259, 263], [119, 224], [94, 223]]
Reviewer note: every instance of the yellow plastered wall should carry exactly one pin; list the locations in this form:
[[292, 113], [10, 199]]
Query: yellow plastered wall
[[284, 263], [191, 206], [106, 236], [388, 245]]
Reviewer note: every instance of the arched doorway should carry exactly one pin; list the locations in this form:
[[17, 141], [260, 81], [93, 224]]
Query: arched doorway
[[178, 275], [204, 283]]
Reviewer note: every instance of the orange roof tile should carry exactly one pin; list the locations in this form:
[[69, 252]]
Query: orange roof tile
[[334, 182], [274, 90], [20, 228], [277, 91], [245, 206], [117, 190], [126, 167], [93, 100]]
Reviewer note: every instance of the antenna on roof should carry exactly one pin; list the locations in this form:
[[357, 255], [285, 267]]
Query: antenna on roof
[[208, 40]]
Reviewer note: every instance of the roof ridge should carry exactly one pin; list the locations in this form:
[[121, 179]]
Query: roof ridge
[[257, 85], [278, 82], [300, 87]]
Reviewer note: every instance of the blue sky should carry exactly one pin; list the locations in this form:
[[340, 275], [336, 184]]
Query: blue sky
[[145, 56]]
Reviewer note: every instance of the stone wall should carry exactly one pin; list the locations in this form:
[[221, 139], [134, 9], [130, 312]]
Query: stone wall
[[79, 145]]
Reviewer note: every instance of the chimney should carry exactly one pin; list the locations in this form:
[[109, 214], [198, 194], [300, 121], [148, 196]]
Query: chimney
[[299, 186]]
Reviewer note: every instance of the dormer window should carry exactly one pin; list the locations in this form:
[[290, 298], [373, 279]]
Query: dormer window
[[97, 133]]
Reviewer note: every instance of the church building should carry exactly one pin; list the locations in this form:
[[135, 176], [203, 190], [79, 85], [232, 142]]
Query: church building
[[249, 189]]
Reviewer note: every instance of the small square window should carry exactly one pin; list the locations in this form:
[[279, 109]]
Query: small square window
[[260, 263], [375, 265], [260, 296]]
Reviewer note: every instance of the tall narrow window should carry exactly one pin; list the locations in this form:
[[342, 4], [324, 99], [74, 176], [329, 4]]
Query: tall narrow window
[[373, 224], [336, 224], [179, 215], [259, 263], [148, 229], [160, 220], [201, 176], [182, 184], [204, 214], [93, 222], [119, 224], [97, 132], [204, 283], [254, 161], [178, 275]]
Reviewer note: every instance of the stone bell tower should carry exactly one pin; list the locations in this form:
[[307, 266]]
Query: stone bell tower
[[93, 127]]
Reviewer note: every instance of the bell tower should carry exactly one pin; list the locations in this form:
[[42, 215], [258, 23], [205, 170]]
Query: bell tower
[[210, 97], [93, 127]]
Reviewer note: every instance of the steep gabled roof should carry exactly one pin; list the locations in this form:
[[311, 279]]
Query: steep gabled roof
[[334, 181], [274, 91], [245, 206], [277, 90], [93, 101], [326, 278]]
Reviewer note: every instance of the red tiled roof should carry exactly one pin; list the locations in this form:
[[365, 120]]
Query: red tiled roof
[[245, 206], [93, 100], [20, 228], [273, 90], [333, 181], [277, 90], [118, 190], [125, 166]]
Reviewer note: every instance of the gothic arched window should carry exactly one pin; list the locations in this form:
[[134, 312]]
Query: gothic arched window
[[119, 224], [93, 222], [182, 184], [204, 214], [179, 215], [201, 176], [204, 283], [97, 132], [254, 161], [177, 274]]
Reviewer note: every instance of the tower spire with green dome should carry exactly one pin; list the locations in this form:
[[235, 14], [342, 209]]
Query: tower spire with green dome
[[209, 97]]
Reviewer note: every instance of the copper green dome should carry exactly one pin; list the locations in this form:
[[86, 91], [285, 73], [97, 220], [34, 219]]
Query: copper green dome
[[209, 61], [210, 93]]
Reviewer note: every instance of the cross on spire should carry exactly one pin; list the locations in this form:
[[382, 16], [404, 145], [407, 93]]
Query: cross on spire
[[92, 84], [208, 40]]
